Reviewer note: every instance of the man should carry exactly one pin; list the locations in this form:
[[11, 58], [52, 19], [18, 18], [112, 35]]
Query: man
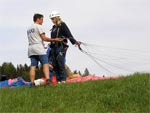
[[58, 50], [36, 50]]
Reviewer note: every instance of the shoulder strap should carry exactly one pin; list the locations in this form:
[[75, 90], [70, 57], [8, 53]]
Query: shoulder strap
[[57, 32]]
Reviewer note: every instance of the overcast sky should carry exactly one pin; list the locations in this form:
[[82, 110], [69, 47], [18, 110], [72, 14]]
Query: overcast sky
[[113, 23]]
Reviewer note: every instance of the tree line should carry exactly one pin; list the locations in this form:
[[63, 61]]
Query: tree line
[[7, 68]]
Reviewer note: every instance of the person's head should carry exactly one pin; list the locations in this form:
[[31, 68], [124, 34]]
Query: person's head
[[38, 18], [55, 17]]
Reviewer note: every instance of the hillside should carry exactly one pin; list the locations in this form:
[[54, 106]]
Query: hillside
[[130, 94]]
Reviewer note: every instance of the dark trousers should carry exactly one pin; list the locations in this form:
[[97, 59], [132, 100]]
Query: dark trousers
[[58, 62]]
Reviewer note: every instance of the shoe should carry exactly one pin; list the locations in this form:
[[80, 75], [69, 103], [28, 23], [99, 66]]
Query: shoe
[[48, 82], [32, 84], [63, 82], [59, 82]]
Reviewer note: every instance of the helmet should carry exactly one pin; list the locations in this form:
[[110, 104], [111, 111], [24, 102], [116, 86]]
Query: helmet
[[54, 14]]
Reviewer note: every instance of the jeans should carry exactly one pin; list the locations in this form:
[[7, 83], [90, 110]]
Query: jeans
[[58, 62]]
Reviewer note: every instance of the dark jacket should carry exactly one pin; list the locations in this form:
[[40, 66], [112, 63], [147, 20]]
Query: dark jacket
[[62, 31]]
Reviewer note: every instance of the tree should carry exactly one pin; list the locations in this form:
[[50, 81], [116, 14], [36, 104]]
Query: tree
[[26, 67], [75, 72], [68, 71], [39, 72], [8, 69], [0, 69], [86, 72], [25, 76], [80, 73], [20, 69]]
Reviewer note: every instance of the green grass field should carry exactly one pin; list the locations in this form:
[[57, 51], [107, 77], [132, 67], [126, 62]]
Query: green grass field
[[125, 95]]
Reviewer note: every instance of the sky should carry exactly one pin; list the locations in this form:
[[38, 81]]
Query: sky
[[111, 23]]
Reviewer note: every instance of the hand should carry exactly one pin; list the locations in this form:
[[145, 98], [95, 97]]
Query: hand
[[58, 39], [50, 66], [45, 47], [78, 43]]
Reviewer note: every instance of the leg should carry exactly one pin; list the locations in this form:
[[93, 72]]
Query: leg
[[54, 53], [32, 73], [34, 63], [61, 64], [44, 61], [56, 70], [46, 71], [50, 73]]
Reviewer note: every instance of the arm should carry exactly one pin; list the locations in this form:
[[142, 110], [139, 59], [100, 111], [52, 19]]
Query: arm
[[68, 33], [43, 36], [46, 39]]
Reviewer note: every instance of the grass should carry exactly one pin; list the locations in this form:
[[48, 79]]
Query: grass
[[125, 95]]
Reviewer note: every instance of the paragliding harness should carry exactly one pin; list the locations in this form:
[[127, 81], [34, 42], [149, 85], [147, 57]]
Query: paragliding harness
[[62, 45], [58, 52]]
